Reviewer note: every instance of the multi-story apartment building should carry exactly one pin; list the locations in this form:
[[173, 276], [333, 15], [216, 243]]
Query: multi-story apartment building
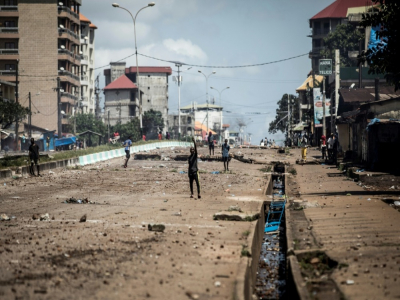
[[121, 91], [39, 41], [326, 21], [87, 104]]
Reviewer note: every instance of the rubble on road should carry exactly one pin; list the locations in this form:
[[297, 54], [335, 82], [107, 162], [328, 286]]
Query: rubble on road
[[73, 200], [156, 227]]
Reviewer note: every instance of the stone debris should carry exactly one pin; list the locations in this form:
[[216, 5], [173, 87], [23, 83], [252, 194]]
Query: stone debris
[[45, 217], [156, 227], [82, 219], [4, 217]]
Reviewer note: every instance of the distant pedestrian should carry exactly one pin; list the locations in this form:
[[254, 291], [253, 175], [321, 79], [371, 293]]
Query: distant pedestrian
[[34, 157], [144, 137], [48, 143], [225, 155], [304, 148], [210, 140], [334, 150], [127, 144], [323, 146], [159, 136], [193, 171], [311, 139], [330, 147], [167, 135]]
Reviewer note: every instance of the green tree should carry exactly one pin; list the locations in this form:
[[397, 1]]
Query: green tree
[[346, 38], [384, 58], [130, 129], [89, 122], [281, 121], [152, 123], [10, 112]]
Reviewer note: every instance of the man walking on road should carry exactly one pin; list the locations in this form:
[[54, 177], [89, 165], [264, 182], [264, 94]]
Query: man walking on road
[[34, 157], [225, 155], [193, 171], [127, 144], [211, 142]]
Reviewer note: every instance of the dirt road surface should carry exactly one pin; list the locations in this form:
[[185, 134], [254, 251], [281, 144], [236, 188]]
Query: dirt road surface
[[113, 254]]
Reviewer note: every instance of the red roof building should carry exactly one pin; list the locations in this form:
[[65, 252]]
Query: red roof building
[[338, 9], [122, 83], [327, 20]]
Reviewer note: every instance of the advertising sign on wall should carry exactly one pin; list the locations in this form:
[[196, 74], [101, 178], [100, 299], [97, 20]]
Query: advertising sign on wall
[[318, 108]]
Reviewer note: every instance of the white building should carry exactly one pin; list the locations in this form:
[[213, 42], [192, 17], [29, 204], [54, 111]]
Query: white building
[[87, 97]]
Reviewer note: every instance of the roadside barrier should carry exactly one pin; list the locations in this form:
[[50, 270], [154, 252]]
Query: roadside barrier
[[106, 155]]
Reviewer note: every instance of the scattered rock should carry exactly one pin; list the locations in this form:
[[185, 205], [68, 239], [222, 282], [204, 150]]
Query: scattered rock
[[4, 217], [217, 283], [156, 227], [315, 260], [83, 218], [45, 217]]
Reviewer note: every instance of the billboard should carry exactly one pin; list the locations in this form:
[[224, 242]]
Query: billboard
[[318, 108]]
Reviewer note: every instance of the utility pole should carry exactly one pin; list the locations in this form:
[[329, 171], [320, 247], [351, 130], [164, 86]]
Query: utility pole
[[59, 107], [30, 115], [97, 92], [179, 79], [119, 108], [323, 108], [17, 101], [337, 80], [108, 125], [288, 111]]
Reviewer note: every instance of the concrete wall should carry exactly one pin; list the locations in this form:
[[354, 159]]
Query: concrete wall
[[38, 44], [115, 101], [215, 118]]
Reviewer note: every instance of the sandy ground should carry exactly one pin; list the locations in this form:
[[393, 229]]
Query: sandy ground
[[112, 254]]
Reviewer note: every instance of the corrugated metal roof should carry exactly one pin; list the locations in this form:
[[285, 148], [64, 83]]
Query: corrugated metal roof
[[121, 83], [338, 9], [309, 80], [202, 127], [368, 94], [82, 18]]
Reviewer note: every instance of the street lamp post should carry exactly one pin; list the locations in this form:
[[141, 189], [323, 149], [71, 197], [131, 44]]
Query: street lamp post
[[136, 53], [207, 100], [220, 104]]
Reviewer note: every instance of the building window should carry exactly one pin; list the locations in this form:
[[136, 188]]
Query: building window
[[189, 119], [148, 87], [10, 45], [9, 24], [10, 2], [10, 66]]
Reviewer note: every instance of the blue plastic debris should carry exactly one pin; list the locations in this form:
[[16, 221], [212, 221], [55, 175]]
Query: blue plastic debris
[[182, 172], [215, 172]]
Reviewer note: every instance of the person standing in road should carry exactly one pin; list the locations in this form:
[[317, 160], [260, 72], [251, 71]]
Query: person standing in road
[[48, 143], [323, 146], [159, 136], [211, 142], [193, 171], [334, 149], [225, 155], [304, 148], [127, 144], [34, 157], [330, 147]]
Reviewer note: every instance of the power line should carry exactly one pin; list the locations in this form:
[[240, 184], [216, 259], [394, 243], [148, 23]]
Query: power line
[[227, 67]]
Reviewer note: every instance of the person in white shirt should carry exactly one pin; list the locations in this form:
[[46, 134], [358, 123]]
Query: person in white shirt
[[330, 143]]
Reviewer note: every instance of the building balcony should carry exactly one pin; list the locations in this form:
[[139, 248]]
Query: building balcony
[[9, 11], [84, 80], [68, 98], [319, 32], [84, 60], [64, 54], [65, 33], [69, 77], [9, 54], [9, 33], [8, 75], [66, 12]]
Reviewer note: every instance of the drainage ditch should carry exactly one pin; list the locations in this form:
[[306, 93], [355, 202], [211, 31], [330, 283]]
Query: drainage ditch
[[272, 279]]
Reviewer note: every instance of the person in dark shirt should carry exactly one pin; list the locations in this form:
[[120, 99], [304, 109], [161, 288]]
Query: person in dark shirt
[[225, 155], [193, 171], [34, 157], [211, 142]]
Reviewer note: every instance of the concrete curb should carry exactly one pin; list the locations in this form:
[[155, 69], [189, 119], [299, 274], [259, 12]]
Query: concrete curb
[[93, 158]]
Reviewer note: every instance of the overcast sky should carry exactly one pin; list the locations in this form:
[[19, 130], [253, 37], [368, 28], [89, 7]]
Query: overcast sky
[[214, 33]]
